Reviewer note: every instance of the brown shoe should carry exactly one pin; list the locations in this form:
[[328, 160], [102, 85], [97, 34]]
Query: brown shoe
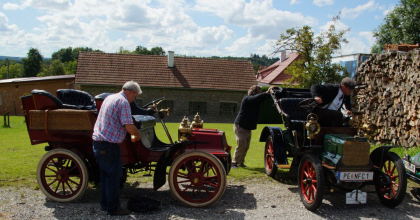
[[119, 212]]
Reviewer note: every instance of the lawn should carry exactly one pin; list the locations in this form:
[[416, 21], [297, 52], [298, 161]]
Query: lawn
[[19, 159]]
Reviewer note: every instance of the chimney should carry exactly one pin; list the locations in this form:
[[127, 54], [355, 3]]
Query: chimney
[[282, 55], [171, 60]]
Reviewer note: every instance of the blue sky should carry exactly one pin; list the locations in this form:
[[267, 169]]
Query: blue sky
[[189, 27]]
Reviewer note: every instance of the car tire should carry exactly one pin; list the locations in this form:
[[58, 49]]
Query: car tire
[[311, 182], [269, 159], [391, 180]]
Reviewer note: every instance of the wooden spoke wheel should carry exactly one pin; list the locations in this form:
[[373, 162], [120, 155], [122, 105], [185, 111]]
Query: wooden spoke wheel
[[311, 182], [270, 166], [391, 181], [197, 179], [62, 175]]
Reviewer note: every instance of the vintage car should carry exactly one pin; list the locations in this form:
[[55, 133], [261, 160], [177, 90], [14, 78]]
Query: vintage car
[[412, 167], [328, 158], [199, 160]]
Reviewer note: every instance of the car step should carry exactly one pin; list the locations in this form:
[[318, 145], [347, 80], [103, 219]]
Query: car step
[[284, 166]]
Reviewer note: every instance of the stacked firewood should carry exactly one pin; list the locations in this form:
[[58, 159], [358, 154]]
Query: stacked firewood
[[390, 100]]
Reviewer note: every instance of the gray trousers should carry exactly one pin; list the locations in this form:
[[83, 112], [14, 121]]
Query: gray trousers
[[243, 139]]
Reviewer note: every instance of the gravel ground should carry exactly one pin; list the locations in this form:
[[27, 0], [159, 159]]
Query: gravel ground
[[252, 199]]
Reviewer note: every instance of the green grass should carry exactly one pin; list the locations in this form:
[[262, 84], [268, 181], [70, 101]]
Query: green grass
[[19, 159]]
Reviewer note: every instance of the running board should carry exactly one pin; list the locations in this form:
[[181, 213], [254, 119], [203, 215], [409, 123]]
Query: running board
[[284, 166]]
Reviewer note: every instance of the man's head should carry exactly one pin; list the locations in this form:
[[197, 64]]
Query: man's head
[[254, 90], [347, 85], [131, 89]]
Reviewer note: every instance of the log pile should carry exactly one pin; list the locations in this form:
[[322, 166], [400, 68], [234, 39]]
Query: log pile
[[390, 100]]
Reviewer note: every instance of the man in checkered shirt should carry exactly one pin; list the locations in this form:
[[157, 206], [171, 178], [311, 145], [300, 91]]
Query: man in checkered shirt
[[111, 127]]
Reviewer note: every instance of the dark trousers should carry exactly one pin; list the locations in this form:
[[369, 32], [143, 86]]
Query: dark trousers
[[329, 118], [108, 158]]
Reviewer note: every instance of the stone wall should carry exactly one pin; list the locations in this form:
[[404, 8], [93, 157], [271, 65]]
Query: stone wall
[[180, 101]]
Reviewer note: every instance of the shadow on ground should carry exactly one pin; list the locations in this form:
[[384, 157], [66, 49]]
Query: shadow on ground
[[234, 198], [335, 207]]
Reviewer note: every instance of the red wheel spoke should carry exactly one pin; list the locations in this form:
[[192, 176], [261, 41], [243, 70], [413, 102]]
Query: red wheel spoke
[[182, 176], [52, 170], [74, 182], [51, 176], [69, 187], [58, 185], [49, 184], [184, 181], [314, 181], [64, 190], [393, 169]]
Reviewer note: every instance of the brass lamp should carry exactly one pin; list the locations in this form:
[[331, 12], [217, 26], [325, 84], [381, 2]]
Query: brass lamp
[[312, 126], [184, 129]]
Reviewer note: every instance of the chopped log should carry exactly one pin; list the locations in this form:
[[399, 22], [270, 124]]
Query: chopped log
[[391, 98]]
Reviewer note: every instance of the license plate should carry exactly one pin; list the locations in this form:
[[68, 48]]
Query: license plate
[[409, 166], [356, 197], [355, 176]]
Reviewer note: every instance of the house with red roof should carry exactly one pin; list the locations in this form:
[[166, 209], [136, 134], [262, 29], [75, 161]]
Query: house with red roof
[[276, 74], [212, 87]]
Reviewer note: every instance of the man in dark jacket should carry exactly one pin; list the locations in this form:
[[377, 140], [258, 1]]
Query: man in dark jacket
[[245, 121], [331, 99]]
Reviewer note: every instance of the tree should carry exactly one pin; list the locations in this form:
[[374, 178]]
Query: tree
[[258, 61], [33, 63], [143, 50], [55, 68], [401, 25], [70, 54], [315, 52], [157, 51], [12, 70]]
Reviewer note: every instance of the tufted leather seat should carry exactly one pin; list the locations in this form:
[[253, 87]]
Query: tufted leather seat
[[76, 99], [44, 100]]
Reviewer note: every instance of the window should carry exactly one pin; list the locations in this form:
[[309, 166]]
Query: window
[[228, 108], [200, 107]]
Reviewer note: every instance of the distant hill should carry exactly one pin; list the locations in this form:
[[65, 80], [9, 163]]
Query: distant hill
[[11, 58]]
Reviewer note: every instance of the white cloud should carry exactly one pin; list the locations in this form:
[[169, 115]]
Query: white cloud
[[355, 12], [259, 17], [322, 3], [293, 2], [339, 26]]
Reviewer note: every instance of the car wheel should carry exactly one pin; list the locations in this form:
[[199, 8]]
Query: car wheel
[[197, 179], [270, 166], [62, 175], [311, 182], [391, 181]]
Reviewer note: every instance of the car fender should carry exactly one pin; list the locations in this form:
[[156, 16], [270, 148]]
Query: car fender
[[378, 154], [278, 143]]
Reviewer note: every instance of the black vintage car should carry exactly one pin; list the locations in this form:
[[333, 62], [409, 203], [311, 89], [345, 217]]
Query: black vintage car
[[328, 158]]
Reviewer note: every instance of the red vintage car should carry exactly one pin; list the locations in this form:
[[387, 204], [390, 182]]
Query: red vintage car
[[199, 160]]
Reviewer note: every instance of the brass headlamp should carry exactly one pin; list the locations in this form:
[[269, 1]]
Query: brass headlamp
[[184, 129], [312, 126], [197, 122]]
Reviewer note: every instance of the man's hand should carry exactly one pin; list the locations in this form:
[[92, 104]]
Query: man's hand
[[135, 135], [318, 100], [135, 138]]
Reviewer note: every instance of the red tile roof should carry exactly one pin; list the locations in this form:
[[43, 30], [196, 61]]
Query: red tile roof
[[152, 70], [275, 74]]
